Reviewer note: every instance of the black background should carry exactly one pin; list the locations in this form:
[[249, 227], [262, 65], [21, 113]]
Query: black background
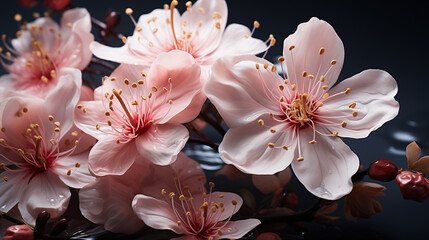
[[376, 34]]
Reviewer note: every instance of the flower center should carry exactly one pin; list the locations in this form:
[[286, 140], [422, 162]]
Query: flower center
[[300, 110], [39, 151], [199, 216]]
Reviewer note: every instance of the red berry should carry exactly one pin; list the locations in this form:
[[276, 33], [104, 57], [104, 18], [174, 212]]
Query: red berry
[[19, 232], [27, 3], [383, 170], [112, 19], [413, 186], [56, 5]]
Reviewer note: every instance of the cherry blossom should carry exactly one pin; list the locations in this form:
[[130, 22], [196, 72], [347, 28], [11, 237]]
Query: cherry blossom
[[297, 119], [137, 116], [193, 211], [39, 151], [200, 31], [108, 201], [42, 48]]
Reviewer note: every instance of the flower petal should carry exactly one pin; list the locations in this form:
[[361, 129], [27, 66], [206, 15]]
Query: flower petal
[[45, 192], [237, 229], [78, 37], [209, 13], [185, 85], [79, 175], [156, 213], [412, 152], [373, 92], [327, 167], [246, 147], [236, 40], [266, 183], [89, 115], [308, 40], [108, 157], [161, 143], [10, 190], [108, 201], [240, 92]]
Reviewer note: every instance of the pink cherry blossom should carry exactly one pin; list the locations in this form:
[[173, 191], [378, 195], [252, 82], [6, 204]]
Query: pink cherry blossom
[[199, 31], [108, 201], [298, 118], [137, 116], [35, 59], [39, 155], [193, 211]]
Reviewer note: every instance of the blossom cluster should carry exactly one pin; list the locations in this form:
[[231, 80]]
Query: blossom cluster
[[120, 145]]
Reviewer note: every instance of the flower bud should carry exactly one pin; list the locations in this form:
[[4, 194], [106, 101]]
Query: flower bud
[[383, 170], [413, 186], [56, 5], [19, 232], [27, 3]]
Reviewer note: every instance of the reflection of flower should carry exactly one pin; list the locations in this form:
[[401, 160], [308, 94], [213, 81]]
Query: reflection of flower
[[275, 122], [138, 115], [41, 154], [200, 31], [43, 49], [176, 199], [19, 232], [362, 201]]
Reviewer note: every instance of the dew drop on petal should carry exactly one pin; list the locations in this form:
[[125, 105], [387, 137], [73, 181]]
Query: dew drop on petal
[[323, 192], [229, 230]]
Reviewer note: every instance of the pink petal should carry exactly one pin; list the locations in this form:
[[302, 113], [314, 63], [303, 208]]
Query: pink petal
[[308, 39], [62, 100], [184, 73], [79, 173], [86, 93], [110, 158], [161, 143], [234, 42], [246, 147], [87, 119], [45, 192], [237, 229], [239, 91], [373, 92], [85, 141], [227, 200], [156, 213], [163, 177], [108, 201], [327, 167], [10, 191], [78, 38], [209, 36], [115, 54], [266, 183]]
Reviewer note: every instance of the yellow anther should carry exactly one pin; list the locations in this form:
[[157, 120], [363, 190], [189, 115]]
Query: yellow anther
[[285, 147], [326, 95], [325, 87], [353, 105], [53, 142], [139, 29], [179, 223], [124, 40], [234, 202], [57, 129], [291, 47], [140, 82], [97, 126], [355, 113], [347, 91], [312, 141], [261, 122], [77, 165], [150, 123], [128, 11], [272, 130], [333, 62], [322, 78], [273, 68], [166, 7], [57, 124], [293, 87], [271, 145], [281, 59], [201, 10], [256, 24], [74, 133], [304, 74], [218, 25], [155, 30], [181, 197], [286, 81], [18, 17], [344, 124], [134, 103], [5, 179], [154, 89], [134, 85], [163, 192], [320, 104], [221, 196], [44, 79], [257, 66], [321, 51], [112, 79], [266, 65], [69, 172], [300, 159], [216, 15], [335, 133], [211, 184], [51, 118], [76, 142], [281, 87], [126, 81]]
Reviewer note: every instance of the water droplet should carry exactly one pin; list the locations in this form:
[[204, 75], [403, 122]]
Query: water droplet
[[52, 201], [323, 192], [61, 196], [3, 208], [229, 230]]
